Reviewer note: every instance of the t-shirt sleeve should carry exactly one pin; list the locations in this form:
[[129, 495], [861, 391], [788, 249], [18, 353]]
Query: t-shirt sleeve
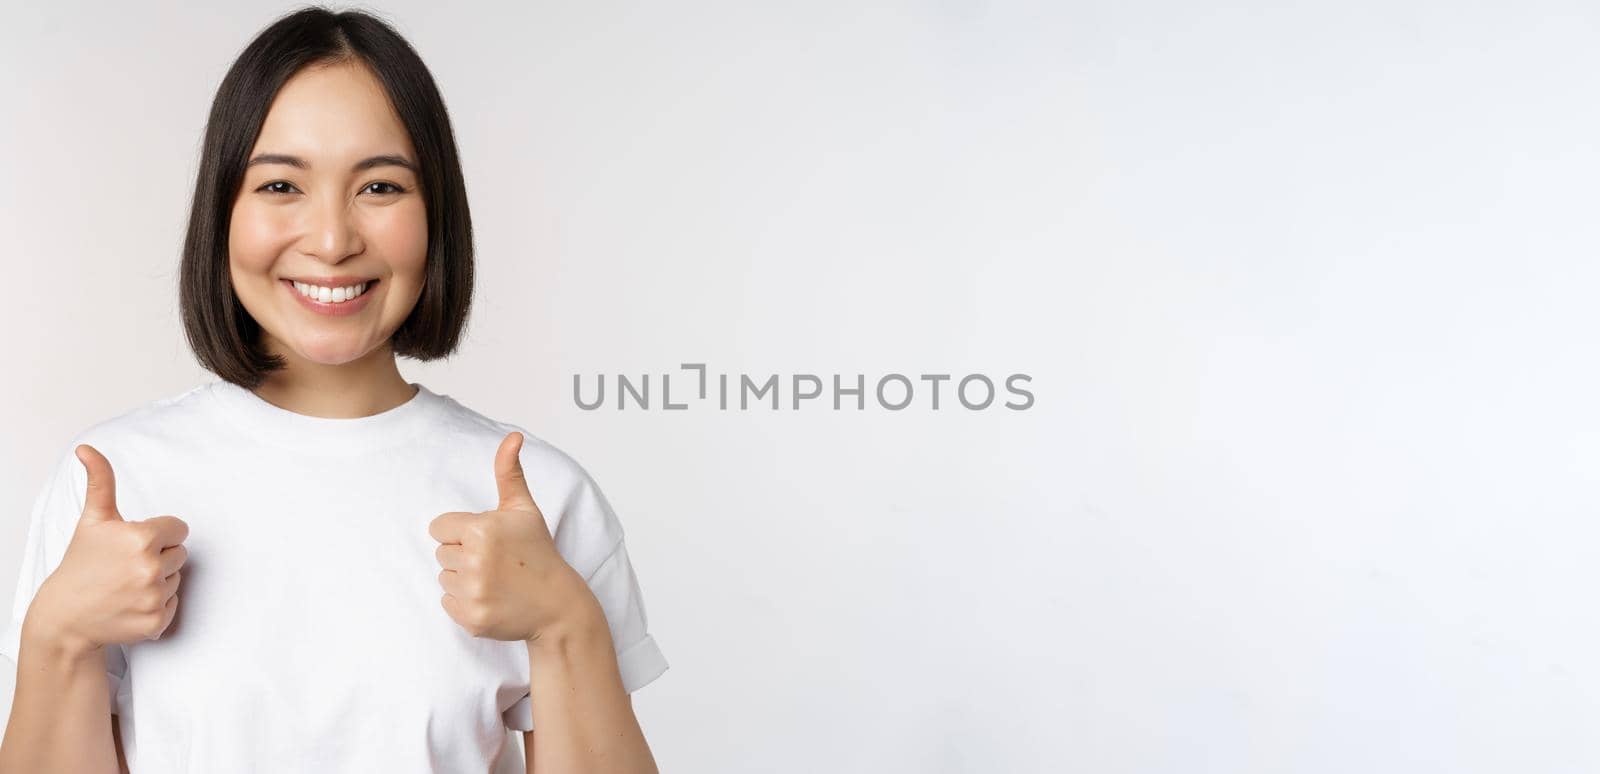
[[51, 522], [589, 536]]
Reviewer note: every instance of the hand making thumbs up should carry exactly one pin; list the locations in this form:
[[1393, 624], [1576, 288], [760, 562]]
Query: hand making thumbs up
[[502, 576], [118, 580]]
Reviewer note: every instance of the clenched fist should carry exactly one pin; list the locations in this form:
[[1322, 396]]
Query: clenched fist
[[118, 581], [502, 576]]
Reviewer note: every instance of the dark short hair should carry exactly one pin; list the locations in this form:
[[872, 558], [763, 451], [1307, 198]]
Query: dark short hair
[[223, 335]]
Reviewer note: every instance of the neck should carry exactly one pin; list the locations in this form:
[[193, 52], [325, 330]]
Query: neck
[[368, 385]]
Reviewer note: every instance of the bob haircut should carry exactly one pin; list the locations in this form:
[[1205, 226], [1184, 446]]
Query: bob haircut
[[223, 335]]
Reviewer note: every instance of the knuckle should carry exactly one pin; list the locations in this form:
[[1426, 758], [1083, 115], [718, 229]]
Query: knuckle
[[134, 536], [147, 536]]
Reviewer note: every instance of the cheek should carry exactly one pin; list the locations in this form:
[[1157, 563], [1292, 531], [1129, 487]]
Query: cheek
[[401, 234], [253, 236]]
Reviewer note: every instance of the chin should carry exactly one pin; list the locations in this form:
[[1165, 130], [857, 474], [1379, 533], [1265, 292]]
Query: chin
[[331, 355]]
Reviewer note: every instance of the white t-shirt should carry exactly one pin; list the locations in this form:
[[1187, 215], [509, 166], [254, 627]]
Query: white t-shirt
[[309, 634]]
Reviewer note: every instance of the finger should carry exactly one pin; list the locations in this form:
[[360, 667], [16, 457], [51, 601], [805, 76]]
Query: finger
[[453, 607], [100, 497], [450, 527], [451, 556], [172, 558], [169, 585], [168, 613], [514, 494], [453, 584], [170, 530]]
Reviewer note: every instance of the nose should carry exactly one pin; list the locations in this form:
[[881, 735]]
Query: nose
[[331, 233]]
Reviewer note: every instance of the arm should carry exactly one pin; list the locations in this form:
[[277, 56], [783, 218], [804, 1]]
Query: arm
[[527, 740], [61, 713], [122, 757], [584, 715]]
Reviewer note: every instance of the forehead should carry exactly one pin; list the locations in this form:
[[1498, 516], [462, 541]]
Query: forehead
[[332, 113]]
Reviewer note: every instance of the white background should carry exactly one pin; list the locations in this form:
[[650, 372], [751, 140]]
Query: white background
[[1305, 289]]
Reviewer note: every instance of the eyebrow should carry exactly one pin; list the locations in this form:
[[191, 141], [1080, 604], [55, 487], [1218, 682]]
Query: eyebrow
[[386, 160]]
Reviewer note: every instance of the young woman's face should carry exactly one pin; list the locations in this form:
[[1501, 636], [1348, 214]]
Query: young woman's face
[[348, 209]]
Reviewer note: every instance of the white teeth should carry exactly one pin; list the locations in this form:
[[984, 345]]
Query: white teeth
[[330, 295]]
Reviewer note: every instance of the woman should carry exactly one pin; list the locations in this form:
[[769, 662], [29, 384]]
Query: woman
[[372, 574]]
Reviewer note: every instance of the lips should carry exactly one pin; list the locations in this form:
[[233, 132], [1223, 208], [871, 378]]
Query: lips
[[340, 281], [332, 308]]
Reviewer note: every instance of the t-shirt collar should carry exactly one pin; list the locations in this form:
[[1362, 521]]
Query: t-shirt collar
[[324, 435]]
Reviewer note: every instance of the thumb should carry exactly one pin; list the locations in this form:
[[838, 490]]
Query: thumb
[[514, 494], [100, 498]]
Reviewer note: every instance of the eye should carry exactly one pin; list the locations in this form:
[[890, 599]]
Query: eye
[[279, 186]]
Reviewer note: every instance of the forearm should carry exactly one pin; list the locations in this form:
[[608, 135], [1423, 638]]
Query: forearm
[[61, 712], [582, 716]]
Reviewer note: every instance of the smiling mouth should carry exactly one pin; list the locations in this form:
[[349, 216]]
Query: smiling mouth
[[331, 295]]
